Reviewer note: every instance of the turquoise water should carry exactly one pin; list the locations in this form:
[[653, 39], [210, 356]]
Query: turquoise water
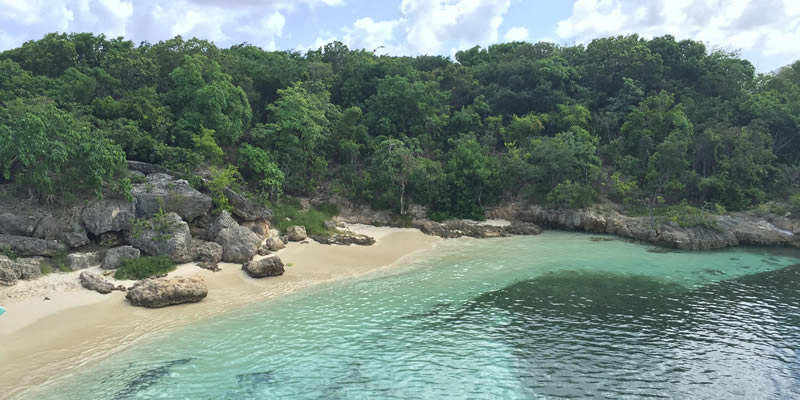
[[559, 315]]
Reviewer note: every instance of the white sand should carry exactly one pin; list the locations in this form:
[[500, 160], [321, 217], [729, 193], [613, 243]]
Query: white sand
[[41, 339]]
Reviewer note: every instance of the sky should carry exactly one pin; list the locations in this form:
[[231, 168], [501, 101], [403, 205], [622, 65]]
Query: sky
[[767, 32]]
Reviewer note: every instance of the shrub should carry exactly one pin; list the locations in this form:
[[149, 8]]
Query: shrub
[[688, 216], [221, 179], [256, 165], [312, 219], [794, 203], [144, 267], [570, 194], [8, 252]]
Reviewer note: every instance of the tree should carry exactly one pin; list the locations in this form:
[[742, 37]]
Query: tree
[[205, 97], [394, 161], [300, 127], [51, 153], [257, 166]]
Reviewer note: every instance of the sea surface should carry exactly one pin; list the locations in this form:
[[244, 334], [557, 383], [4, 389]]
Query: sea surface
[[560, 315]]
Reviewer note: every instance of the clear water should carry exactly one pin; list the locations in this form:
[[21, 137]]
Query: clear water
[[559, 315]]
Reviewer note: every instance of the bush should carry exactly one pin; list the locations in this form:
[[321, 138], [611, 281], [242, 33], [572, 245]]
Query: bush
[[257, 166], [311, 219], [144, 267], [688, 216], [794, 203], [570, 194]]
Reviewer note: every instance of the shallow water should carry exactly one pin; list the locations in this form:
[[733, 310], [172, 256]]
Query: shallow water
[[559, 315]]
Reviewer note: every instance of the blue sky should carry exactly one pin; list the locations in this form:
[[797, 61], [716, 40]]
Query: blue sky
[[766, 31]]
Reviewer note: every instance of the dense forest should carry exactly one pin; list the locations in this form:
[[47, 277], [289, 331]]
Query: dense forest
[[639, 122]]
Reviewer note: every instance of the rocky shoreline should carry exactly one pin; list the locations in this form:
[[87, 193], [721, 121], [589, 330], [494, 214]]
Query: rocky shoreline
[[168, 217]]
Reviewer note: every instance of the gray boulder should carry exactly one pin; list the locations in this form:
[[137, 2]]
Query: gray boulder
[[223, 221], [101, 216], [239, 244], [269, 266], [162, 292], [96, 282], [522, 228], [245, 209], [114, 257], [345, 240], [206, 252], [78, 261], [21, 268], [30, 247], [274, 244], [64, 227], [296, 233], [168, 236], [16, 224], [329, 225], [162, 191]]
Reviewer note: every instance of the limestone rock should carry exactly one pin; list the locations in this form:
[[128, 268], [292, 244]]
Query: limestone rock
[[206, 252], [169, 237], [274, 244], [296, 233], [78, 261], [173, 195], [269, 266], [101, 216], [113, 257], [239, 244], [21, 268], [522, 228], [30, 247], [64, 227], [329, 225], [95, 282], [245, 209], [162, 292], [20, 225], [345, 240]]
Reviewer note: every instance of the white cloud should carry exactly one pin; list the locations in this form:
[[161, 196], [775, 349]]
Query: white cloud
[[368, 34], [767, 27], [516, 34], [433, 23]]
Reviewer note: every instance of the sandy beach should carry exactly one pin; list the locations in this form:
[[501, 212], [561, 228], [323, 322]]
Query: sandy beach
[[41, 340]]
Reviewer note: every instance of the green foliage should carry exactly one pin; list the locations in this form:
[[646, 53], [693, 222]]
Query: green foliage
[[8, 252], [144, 267], [570, 194], [794, 203], [163, 227], [221, 179], [312, 219], [634, 119], [52, 153], [256, 166], [688, 216]]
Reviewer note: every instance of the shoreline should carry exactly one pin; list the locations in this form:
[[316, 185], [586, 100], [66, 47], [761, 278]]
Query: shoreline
[[46, 341]]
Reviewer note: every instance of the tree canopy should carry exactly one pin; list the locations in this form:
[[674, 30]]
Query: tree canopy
[[562, 125]]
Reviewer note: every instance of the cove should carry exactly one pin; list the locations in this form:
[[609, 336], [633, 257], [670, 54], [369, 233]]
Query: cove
[[560, 315]]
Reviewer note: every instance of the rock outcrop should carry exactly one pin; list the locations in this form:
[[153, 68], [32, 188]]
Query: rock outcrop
[[162, 292], [64, 227], [96, 282], [18, 225], [239, 244], [345, 240], [245, 209], [78, 261], [206, 252], [296, 233], [113, 257], [452, 229], [166, 236], [21, 268], [728, 231], [269, 266], [31, 247], [101, 216], [162, 191], [274, 244]]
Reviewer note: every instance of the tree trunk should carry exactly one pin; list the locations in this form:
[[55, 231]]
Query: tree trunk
[[402, 198]]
